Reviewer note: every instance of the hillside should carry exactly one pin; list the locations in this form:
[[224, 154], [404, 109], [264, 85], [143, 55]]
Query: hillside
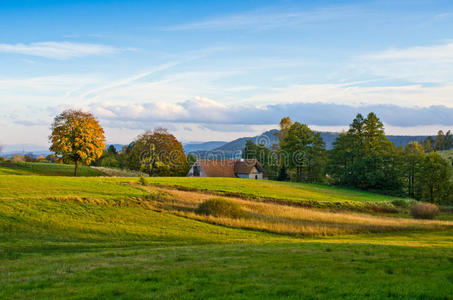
[[49, 169], [271, 190], [113, 238]]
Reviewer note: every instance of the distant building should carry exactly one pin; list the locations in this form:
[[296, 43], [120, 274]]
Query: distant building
[[234, 168]]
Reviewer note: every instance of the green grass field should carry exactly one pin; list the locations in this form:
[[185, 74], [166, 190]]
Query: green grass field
[[296, 192], [49, 169], [103, 238]]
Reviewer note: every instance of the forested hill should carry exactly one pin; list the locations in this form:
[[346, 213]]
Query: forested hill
[[268, 138]]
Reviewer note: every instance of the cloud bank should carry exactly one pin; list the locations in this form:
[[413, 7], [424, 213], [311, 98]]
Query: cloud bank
[[207, 112]]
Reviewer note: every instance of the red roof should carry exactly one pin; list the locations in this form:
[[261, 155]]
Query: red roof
[[228, 167]]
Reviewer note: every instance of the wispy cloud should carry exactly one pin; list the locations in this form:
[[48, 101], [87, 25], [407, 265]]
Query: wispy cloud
[[417, 64], [267, 19], [59, 50], [438, 53]]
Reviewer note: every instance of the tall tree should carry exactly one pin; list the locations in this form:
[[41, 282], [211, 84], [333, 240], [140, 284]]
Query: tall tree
[[284, 125], [449, 140], [364, 158], [428, 144], [78, 137], [305, 152], [440, 141], [413, 164], [436, 178]]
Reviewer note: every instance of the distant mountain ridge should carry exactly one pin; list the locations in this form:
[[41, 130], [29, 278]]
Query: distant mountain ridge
[[202, 146], [234, 148]]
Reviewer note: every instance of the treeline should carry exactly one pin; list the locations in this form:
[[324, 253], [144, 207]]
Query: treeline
[[361, 158], [157, 153], [442, 141]]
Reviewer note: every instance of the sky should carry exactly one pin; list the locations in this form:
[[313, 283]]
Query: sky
[[221, 70]]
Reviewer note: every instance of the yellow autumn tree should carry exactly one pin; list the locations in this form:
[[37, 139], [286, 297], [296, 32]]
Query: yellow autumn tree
[[78, 137]]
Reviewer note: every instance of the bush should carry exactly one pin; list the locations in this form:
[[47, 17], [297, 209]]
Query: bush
[[424, 210], [403, 203], [220, 207], [142, 181]]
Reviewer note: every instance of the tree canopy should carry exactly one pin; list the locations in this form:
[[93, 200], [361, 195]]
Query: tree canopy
[[157, 153], [77, 137]]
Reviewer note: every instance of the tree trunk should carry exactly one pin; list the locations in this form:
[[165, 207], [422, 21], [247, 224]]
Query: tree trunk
[[76, 168]]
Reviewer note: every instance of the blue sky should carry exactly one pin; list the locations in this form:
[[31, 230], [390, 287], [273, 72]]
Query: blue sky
[[221, 70]]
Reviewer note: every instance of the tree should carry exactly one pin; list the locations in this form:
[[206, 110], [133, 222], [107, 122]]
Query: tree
[[284, 125], [78, 137], [436, 178], [267, 158], [364, 158], [428, 144], [112, 150], [448, 140], [157, 153], [304, 151], [413, 163], [440, 141]]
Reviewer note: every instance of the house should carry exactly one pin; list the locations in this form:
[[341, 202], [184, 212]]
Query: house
[[235, 168]]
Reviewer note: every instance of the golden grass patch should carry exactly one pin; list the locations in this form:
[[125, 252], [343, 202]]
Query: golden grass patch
[[284, 219]]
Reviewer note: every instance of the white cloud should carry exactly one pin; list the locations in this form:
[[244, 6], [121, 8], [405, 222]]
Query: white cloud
[[437, 53], [58, 50], [432, 64]]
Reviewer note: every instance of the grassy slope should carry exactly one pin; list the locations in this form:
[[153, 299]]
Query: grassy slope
[[42, 186], [296, 192], [53, 243], [51, 248], [48, 186], [49, 169]]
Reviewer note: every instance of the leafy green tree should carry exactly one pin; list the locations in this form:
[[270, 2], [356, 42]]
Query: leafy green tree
[[448, 140], [436, 179], [440, 141], [112, 150], [267, 158], [428, 144], [413, 164], [305, 152], [364, 158]]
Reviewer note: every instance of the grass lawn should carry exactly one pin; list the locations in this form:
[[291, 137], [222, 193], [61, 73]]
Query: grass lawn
[[52, 186], [52, 248], [96, 238], [49, 169], [296, 192]]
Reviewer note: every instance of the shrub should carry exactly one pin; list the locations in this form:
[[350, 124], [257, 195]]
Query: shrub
[[424, 210], [220, 207], [142, 181], [403, 203]]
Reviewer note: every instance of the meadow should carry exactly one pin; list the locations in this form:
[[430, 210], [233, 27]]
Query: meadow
[[301, 194], [114, 238], [49, 169]]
